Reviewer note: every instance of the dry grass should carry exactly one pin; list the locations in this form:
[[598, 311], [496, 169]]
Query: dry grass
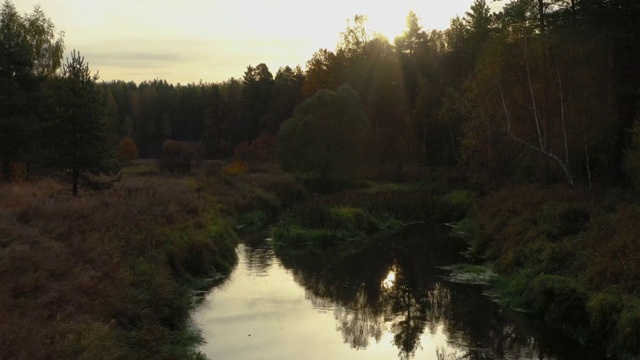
[[98, 276], [570, 256]]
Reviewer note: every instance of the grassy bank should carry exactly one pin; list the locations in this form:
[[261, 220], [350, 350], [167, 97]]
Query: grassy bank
[[112, 274], [570, 257], [350, 216]]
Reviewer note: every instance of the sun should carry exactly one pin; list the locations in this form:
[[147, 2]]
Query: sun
[[387, 18]]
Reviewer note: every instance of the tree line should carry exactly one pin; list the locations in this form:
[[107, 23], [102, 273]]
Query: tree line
[[544, 90]]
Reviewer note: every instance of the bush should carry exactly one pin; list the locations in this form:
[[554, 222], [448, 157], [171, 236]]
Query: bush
[[604, 310], [260, 149], [456, 205], [127, 150], [629, 328], [176, 156], [561, 300]]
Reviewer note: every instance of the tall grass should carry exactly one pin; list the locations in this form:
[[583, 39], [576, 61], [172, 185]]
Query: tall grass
[[569, 256], [108, 274], [350, 215]]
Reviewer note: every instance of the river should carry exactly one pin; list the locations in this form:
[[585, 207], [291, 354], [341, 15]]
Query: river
[[387, 300]]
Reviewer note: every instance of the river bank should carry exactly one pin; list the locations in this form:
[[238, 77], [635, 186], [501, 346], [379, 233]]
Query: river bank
[[113, 273], [566, 256], [570, 257]]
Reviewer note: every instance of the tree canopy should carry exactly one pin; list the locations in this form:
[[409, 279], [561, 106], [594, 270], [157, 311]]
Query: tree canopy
[[325, 135]]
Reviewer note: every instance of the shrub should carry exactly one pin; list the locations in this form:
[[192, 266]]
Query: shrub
[[260, 149], [563, 220], [629, 328], [604, 313], [176, 156], [561, 300], [456, 205], [127, 150]]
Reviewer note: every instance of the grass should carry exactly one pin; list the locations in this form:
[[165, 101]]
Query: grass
[[570, 257], [112, 274], [470, 274], [353, 215]]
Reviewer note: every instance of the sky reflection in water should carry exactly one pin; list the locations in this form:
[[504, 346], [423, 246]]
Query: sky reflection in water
[[384, 301]]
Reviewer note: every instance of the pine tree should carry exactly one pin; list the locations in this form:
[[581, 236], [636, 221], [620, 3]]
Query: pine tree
[[77, 138]]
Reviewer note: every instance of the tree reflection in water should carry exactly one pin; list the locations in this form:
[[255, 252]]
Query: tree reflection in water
[[259, 257], [394, 285]]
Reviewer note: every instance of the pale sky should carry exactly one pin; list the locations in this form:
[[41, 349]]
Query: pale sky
[[185, 41]]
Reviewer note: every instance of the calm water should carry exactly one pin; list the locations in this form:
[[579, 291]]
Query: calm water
[[385, 301]]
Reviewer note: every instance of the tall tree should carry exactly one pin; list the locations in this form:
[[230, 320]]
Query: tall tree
[[256, 95], [47, 47], [407, 45], [325, 70], [77, 135], [29, 50], [325, 135], [412, 37], [285, 96]]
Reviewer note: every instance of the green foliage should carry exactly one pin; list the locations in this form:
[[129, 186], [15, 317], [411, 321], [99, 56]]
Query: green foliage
[[252, 221], [29, 51], [567, 258], [140, 169], [256, 97], [604, 309], [629, 328], [457, 204], [561, 300], [350, 216], [325, 135], [470, 274], [77, 136]]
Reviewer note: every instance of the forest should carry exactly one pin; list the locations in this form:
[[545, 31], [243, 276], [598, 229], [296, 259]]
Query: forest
[[537, 102], [542, 91]]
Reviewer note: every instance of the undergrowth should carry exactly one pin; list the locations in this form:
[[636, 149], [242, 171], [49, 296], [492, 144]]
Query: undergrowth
[[109, 274], [567, 256]]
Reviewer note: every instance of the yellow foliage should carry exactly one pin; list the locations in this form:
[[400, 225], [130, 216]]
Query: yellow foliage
[[128, 150], [236, 167]]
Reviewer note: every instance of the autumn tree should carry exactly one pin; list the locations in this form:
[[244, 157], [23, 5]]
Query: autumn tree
[[76, 135], [325, 70], [127, 150], [325, 134]]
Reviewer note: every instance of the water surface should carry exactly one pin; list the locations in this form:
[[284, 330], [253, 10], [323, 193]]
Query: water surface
[[387, 300]]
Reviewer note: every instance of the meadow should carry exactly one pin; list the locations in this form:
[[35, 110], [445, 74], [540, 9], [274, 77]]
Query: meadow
[[115, 273]]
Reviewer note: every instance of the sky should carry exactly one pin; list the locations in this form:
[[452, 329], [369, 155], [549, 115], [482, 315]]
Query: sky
[[185, 41]]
